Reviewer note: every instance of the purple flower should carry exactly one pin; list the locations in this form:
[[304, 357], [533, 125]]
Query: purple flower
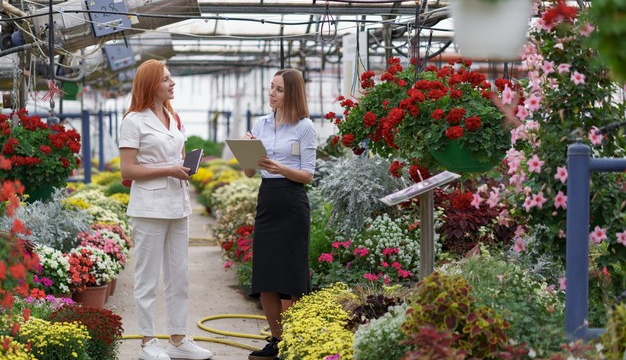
[[333, 357]]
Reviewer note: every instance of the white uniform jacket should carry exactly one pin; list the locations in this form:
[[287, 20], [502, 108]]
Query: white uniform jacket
[[164, 197]]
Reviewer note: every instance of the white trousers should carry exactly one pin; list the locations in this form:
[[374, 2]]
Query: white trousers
[[161, 241]]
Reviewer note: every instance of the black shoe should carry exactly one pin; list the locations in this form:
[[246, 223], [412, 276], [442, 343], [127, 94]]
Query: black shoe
[[269, 352]]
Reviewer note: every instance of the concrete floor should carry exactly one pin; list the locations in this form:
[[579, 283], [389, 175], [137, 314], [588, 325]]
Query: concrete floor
[[213, 291]]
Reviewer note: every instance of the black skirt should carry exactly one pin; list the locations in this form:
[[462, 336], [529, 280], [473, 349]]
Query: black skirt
[[280, 258]]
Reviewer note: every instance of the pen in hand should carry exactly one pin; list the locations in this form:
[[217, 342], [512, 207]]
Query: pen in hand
[[248, 136]]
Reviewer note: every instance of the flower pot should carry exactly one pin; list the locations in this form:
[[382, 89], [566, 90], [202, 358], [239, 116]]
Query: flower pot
[[456, 159], [93, 296], [494, 30], [112, 286], [42, 194]]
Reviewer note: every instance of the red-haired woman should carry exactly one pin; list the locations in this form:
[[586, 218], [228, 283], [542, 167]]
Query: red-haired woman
[[151, 154], [280, 265]]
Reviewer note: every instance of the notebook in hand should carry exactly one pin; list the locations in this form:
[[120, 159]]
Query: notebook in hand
[[192, 160], [247, 152]]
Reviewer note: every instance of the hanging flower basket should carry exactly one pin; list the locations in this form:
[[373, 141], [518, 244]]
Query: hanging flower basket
[[42, 193], [456, 159], [491, 29]]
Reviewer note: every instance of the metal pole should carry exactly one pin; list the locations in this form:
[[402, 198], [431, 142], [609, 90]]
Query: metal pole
[[110, 123], [228, 124], [86, 137], [427, 230], [117, 140], [101, 140], [577, 231]]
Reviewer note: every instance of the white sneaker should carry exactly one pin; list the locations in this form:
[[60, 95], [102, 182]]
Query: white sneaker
[[187, 349], [152, 350]]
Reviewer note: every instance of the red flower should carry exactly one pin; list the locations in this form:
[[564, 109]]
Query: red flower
[[472, 123], [462, 201], [402, 83], [386, 76], [369, 119], [335, 140], [454, 132], [331, 115], [455, 115], [347, 140], [396, 168], [18, 271], [3, 270], [65, 163], [358, 151], [437, 114], [347, 103], [45, 149], [5, 164], [455, 94], [415, 176], [9, 146]]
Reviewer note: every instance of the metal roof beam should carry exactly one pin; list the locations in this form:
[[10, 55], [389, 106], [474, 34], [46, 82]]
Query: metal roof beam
[[220, 7]]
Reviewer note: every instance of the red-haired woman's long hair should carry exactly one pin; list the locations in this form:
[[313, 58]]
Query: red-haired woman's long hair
[[145, 85]]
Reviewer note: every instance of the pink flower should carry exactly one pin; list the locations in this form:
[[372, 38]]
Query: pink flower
[[550, 289], [336, 244], [404, 273], [594, 137], [534, 102], [384, 264], [476, 200], [504, 218], [482, 188], [597, 235], [325, 257], [529, 203], [361, 251], [370, 277], [561, 174], [228, 264], [563, 68], [548, 67], [522, 113], [578, 78], [621, 238], [586, 30], [396, 265], [559, 46], [390, 251], [535, 164], [539, 200], [562, 283], [386, 280], [519, 246], [494, 198], [560, 200], [507, 95], [500, 278]]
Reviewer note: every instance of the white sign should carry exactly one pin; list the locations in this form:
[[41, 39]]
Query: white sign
[[420, 188]]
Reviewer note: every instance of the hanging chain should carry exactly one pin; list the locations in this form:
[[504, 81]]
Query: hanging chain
[[328, 19]]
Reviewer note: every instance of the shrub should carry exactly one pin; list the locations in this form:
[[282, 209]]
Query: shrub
[[56, 341], [444, 302], [356, 197], [534, 310], [433, 344], [105, 328], [211, 148], [614, 339], [13, 350], [382, 338], [314, 327], [53, 223]]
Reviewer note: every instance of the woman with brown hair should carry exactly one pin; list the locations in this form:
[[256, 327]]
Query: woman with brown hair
[[151, 155], [280, 264]]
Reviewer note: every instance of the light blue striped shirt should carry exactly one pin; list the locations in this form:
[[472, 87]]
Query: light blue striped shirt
[[292, 145]]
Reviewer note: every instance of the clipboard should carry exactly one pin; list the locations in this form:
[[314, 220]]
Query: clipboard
[[247, 151]]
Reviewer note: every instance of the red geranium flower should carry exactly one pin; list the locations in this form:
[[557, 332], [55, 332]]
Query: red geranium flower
[[454, 132]]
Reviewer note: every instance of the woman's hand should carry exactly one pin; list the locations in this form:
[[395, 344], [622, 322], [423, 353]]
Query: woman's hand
[[248, 136], [271, 166], [180, 172]]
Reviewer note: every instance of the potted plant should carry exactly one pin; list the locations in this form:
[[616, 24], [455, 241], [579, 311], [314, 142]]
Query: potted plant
[[42, 157], [491, 29], [54, 271], [446, 112]]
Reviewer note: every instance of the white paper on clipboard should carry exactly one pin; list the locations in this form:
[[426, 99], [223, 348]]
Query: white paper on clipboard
[[247, 151]]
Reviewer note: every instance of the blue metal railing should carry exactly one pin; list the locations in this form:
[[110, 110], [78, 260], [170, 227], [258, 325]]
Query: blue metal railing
[[580, 164]]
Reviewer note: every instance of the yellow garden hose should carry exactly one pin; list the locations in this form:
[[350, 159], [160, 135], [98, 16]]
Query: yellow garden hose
[[200, 324]]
